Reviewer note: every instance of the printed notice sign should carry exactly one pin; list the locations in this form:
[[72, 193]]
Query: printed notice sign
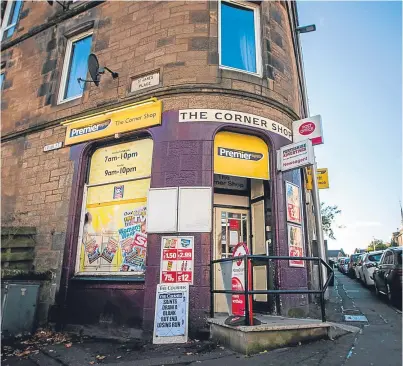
[[177, 259], [171, 313]]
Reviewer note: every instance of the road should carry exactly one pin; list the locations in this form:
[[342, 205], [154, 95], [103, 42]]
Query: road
[[379, 343]]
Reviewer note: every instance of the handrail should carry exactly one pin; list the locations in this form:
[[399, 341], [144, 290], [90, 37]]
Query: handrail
[[248, 258]]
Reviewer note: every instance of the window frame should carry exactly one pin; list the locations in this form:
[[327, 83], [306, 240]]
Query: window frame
[[6, 18], [66, 66], [258, 41], [87, 185]]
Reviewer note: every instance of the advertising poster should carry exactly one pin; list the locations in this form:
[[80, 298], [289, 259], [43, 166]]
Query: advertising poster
[[295, 245], [238, 280], [177, 259], [115, 239], [293, 203], [171, 313]]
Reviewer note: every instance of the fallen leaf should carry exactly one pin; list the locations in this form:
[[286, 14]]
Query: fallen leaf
[[118, 357], [265, 351], [99, 357], [68, 345], [22, 354], [189, 353], [92, 362]]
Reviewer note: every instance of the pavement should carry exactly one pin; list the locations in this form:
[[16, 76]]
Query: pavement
[[379, 342]]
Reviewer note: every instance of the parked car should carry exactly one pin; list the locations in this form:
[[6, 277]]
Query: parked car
[[368, 266], [345, 265], [388, 275], [357, 268], [351, 265]]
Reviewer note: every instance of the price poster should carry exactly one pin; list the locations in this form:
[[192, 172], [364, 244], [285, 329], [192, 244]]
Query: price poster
[[171, 313], [177, 259]]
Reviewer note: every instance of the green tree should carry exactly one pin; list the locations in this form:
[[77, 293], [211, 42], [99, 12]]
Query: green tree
[[377, 244], [329, 214]]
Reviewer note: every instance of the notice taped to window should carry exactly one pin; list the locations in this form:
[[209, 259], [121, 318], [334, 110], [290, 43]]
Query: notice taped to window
[[171, 314]]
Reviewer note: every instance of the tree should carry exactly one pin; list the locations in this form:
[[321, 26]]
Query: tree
[[377, 244], [329, 214]]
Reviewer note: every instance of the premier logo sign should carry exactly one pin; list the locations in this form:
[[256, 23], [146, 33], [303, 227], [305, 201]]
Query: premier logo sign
[[239, 154], [74, 132]]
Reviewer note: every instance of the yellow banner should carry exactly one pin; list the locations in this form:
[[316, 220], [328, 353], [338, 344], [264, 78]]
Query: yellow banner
[[109, 123], [130, 160], [241, 155], [322, 176], [118, 193]]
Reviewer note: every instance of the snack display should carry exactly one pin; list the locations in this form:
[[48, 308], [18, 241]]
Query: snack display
[[110, 250], [92, 249]]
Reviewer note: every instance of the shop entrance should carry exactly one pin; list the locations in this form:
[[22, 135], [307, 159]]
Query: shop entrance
[[242, 212], [231, 227]]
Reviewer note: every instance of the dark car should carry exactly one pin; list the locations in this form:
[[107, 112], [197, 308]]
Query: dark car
[[388, 275], [353, 262]]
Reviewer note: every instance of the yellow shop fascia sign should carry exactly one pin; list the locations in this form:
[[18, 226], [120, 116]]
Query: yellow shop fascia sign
[[109, 123], [241, 156]]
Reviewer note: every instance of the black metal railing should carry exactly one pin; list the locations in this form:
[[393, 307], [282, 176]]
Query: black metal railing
[[261, 259]]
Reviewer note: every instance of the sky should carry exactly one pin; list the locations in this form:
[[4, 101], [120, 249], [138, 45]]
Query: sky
[[353, 71]]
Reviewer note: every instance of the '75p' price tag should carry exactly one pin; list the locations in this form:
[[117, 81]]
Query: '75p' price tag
[[169, 277]]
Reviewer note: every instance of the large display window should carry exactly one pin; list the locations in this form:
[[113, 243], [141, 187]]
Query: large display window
[[113, 237]]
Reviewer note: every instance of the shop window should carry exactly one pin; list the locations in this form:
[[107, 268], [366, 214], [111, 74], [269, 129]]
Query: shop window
[[240, 37], [1, 80], [10, 18], [74, 67], [113, 237]]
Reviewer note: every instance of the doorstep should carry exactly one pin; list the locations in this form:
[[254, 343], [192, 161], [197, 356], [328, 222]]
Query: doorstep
[[274, 332]]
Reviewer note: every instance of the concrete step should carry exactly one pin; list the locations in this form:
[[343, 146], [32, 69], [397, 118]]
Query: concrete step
[[274, 332]]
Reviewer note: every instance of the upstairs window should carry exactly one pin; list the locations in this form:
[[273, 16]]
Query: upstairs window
[[239, 37], [10, 18], [75, 66]]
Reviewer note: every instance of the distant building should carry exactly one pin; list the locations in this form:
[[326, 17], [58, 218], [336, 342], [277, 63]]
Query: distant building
[[333, 255], [397, 238], [359, 251]]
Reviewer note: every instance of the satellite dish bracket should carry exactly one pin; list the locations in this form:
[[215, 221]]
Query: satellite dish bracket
[[102, 71]]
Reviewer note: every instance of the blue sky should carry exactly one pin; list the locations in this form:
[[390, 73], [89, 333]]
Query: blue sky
[[353, 69]]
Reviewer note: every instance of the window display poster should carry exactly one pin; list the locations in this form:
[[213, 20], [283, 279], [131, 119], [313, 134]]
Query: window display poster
[[295, 245], [115, 238], [293, 202], [177, 259], [171, 313]]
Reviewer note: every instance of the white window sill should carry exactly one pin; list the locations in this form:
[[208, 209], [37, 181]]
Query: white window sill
[[259, 75], [69, 99]]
